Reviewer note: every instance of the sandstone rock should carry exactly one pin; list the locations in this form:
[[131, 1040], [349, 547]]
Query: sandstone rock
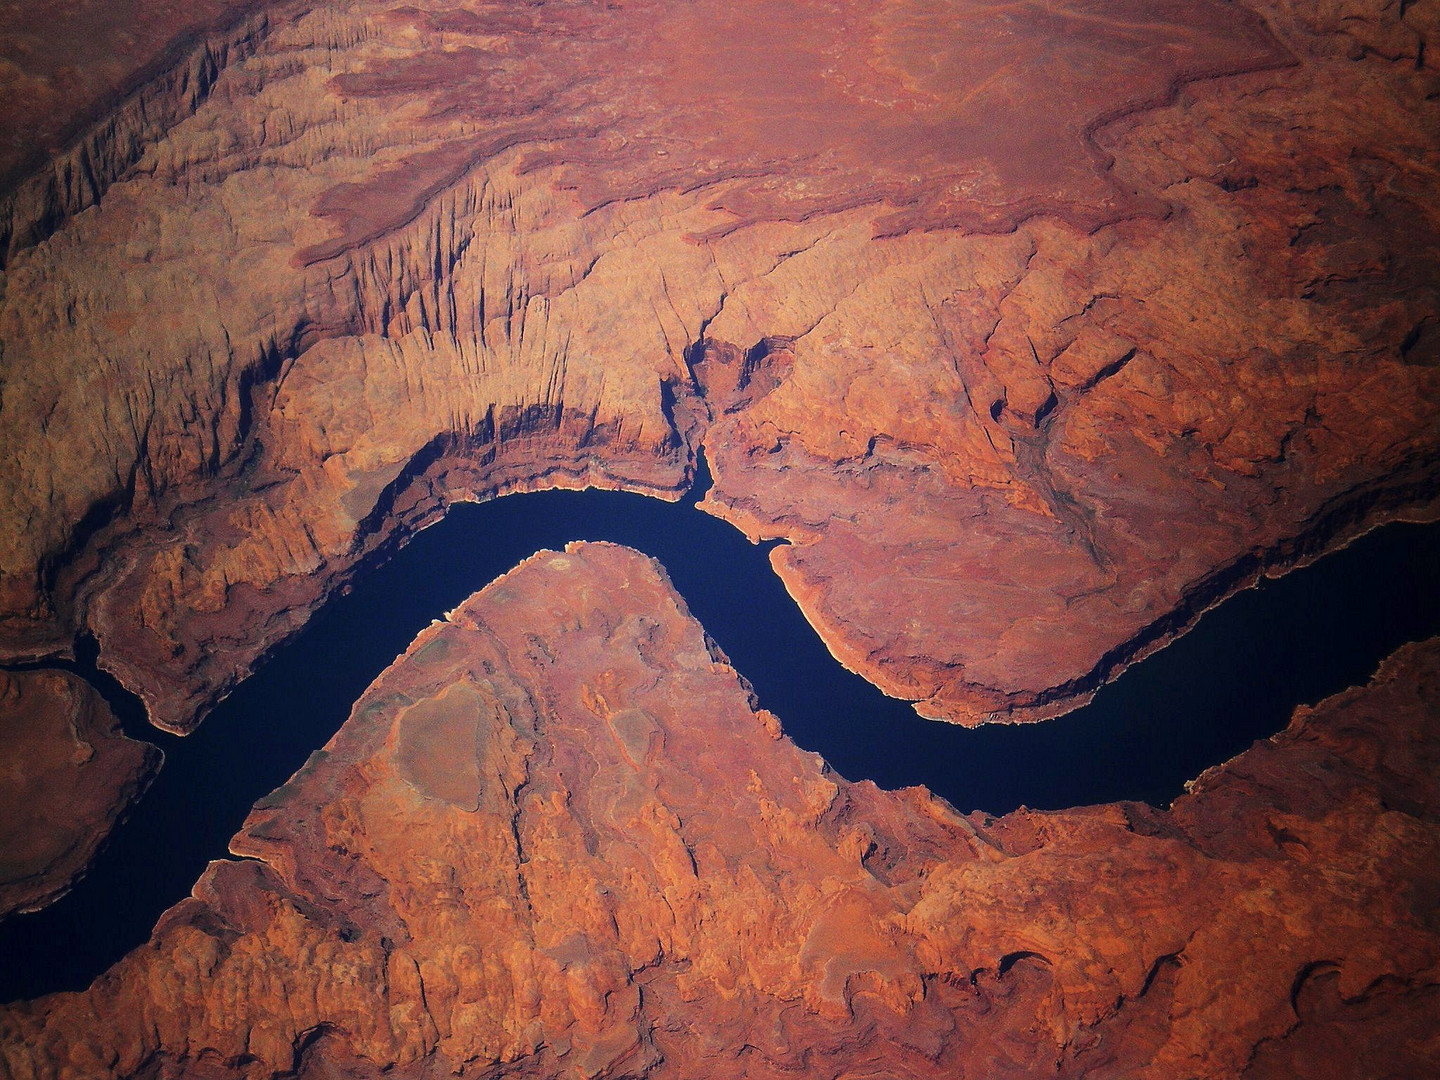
[[558, 838], [1034, 329], [1035, 336], [85, 86], [68, 776]]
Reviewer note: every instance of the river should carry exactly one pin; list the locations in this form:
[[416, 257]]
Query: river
[[1234, 678]]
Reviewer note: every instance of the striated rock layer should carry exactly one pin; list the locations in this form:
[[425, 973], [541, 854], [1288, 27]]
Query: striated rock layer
[[67, 776], [61, 65], [1034, 328], [557, 838]]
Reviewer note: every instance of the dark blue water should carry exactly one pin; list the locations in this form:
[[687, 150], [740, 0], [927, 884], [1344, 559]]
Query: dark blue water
[[1235, 678]]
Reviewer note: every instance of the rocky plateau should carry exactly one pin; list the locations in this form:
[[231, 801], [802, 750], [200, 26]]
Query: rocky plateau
[[558, 838], [1137, 304], [68, 774], [1034, 329]]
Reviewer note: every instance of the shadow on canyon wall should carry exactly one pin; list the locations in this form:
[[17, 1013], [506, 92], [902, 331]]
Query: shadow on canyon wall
[[1236, 677]]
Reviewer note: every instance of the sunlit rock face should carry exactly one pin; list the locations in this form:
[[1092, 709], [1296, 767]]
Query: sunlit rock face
[[1035, 329], [557, 838]]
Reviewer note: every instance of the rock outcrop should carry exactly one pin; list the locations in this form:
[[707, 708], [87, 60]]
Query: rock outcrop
[[557, 838], [1034, 328], [1034, 332], [67, 775], [65, 65]]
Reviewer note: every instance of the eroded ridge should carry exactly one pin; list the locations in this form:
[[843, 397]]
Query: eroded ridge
[[556, 837], [1176, 324], [69, 774]]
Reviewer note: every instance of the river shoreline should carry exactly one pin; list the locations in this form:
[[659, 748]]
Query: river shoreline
[[1235, 677]]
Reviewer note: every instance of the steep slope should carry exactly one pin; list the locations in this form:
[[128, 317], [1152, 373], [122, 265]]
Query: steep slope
[[68, 775], [556, 838], [1035, 331]]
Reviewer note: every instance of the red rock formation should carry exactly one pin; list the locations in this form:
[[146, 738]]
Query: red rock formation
[[68, 775], [1036, 329], [63, 67], [557, 838]]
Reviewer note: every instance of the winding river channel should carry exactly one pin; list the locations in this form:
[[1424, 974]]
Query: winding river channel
[[1234, 678]]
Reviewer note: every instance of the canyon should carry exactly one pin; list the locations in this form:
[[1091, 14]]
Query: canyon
[[558, 838], [320, 307], [1032, 330]]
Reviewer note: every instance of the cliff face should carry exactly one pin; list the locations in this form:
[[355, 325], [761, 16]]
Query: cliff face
[[1034, 330], [556, 838], [68, 773], [64, 65], [1034, 335]]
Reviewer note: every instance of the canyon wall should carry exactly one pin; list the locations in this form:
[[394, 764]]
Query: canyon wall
[[1033, 329], [558, 838], [68, 774], [62, 69], [1024, 404]]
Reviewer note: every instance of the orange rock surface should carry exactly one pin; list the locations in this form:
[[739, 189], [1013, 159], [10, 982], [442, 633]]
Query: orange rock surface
[[556, 838], [67, 775], [1035, 328]]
